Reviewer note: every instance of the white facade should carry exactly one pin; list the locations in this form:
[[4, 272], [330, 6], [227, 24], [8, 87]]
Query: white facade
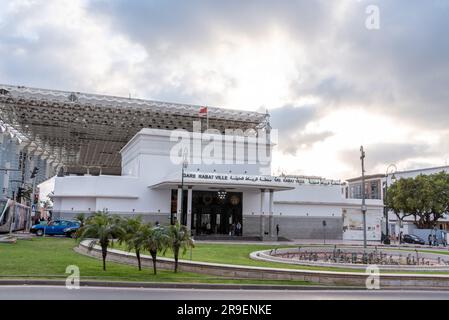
[[151, 176]]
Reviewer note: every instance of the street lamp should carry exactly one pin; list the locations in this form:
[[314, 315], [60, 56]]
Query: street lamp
[[391, 169], [185, 164], [364, 208], [324, 230]]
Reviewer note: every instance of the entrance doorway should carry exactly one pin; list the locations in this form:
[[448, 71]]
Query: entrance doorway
[[217, 213]]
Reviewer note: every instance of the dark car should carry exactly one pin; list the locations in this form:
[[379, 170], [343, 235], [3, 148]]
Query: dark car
[[411, 238], [66, 228]]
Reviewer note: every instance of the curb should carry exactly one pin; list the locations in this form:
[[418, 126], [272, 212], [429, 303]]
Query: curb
[[201, 286], [168, 285]]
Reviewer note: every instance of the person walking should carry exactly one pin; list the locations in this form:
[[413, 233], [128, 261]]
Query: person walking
[[429, 238], [277, 230], [238, 229]]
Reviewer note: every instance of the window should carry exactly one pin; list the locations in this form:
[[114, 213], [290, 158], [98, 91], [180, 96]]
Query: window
[[372, 190], [375, 190]]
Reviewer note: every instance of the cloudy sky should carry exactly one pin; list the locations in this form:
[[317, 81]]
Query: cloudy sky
[[330, 83]]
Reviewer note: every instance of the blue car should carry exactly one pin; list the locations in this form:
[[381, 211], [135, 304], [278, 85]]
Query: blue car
[[66, 228]]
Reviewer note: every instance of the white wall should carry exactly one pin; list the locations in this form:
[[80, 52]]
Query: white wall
[[150, 151], [312, 193], [45, 188], [251, 203], [307, 210], [78, 204]]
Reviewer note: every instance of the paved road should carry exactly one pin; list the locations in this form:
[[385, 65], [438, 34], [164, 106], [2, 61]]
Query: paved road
[[94, 293]]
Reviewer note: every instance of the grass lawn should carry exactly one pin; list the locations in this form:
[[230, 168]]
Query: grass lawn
[[238, 254], [49, 257]]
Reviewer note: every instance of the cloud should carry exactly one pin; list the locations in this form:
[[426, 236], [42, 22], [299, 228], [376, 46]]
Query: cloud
[[290, 119], [381, 155], [303, 141], [254, 55], [291, 123], [401, 69], [198, 22]]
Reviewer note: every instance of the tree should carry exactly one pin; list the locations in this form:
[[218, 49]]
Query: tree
[[134, 236], [103, 228], [400, 198], [156, 240], [179, 238], [81, 217], [425, 197]]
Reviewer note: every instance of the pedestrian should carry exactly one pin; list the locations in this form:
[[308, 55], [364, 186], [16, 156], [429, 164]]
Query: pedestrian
[[238, 229], [430, 239], [233, 229], [277, 230], [435, 241]]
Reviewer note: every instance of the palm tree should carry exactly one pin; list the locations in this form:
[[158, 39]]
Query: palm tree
[[156, 240], [102, 228], [81, 217], [134, 236], [179, 238]]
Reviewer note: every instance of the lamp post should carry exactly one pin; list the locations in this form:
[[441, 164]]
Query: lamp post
[[364, 209], [391, 169], [324, 230], [33, 205], [185, 164]]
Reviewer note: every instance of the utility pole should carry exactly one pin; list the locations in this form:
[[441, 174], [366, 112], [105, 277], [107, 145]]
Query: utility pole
[[386, 209], [33, 206], [362, 158], [324, 230], [185, 164]]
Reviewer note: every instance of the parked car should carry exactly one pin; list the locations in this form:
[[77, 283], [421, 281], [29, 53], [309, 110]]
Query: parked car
[[66, 228], [411, 238]]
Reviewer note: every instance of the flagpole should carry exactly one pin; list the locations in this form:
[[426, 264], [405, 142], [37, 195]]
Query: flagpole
[[201, 116]]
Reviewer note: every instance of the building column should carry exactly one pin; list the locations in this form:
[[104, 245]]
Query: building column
[[271, 216], [262, 214], [189, 208], [179, 204]]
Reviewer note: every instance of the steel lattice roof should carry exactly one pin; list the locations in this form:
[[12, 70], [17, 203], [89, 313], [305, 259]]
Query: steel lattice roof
[[79, 130]]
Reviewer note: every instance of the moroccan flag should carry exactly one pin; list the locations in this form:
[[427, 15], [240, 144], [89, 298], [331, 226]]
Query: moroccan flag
[[203, 112]]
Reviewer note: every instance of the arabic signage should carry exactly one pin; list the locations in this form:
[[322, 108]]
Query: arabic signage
[[267, 179]]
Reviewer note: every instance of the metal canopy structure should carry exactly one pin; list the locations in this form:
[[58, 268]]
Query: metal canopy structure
[[85, 132]]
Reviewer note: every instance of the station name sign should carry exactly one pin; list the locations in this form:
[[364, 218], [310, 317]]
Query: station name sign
[[264, 179]]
